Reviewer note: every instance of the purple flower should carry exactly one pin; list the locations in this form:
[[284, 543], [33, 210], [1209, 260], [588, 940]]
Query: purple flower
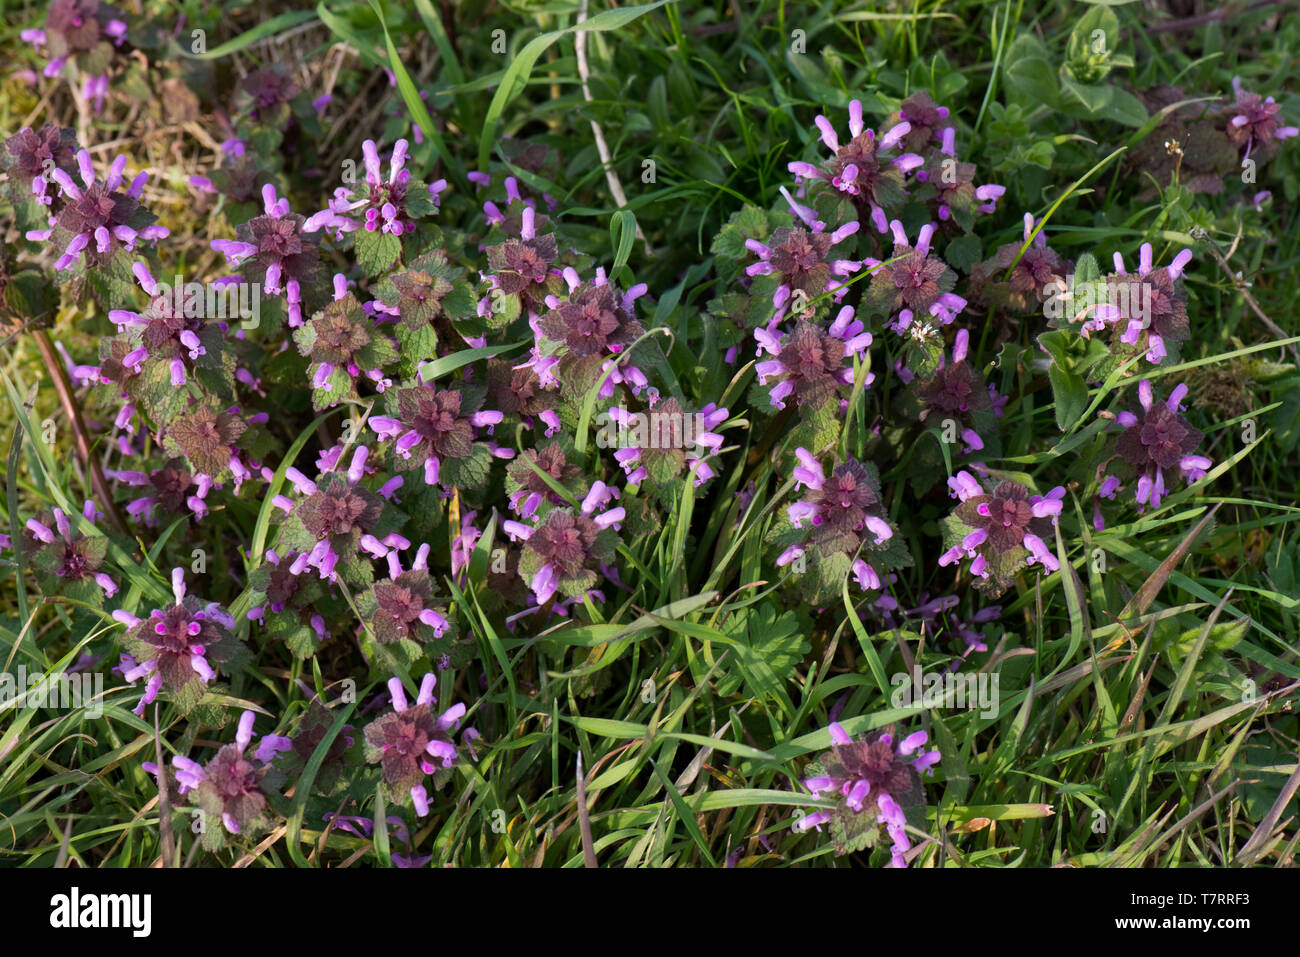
[[511, 220], [344, 347], [381, 204], [268, 88], [410, 860], [1156, 440], [430, 425], [274, 251], [209, 438], [171, 490], [1003, 530], [62, 558], [172, 647], [927, 121], [36, 154], [407, 741], [1147, 312], [281, 590], [1037, 272], [518, 391], [915, 284], [858, 169], [402, 608], [340, 515], [462, 547], [809, 363], [1252, 120], [956, 391], [938, 616], [528, 490], [803, 261], [566, 551], [845, 512], [522, 266], [164, 332], [872, 780], [233, 786], [312, 729], [953, 184], [240, 178], [98, 219], [81, 29], [596, 324], [660, 443]]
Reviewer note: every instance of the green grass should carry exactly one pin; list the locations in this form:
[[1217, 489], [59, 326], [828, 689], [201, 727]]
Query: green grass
[[1126, 734]]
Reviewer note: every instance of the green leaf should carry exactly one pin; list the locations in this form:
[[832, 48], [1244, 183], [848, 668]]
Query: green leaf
[[376, 251], [1093, 97], [748, 222], [622, 233], [430, 371], [1071, 396], [1124, 108]]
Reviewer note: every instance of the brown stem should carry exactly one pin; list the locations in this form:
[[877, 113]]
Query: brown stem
[[1239, 284], [63, 386], [166, 837], [1214, 16]]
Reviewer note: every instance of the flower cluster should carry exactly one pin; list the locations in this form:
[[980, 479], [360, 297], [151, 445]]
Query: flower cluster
[[526, 479], [1001, 531], [408, 740], [1153, 439], [432, 425], [913, 284], [171, 490], [588, 335], [956, 392], [233, 786], [97, 220], [67, 561], [1036, 271], [667, 440], [949, 185], [845, 514], [1254, 121], [521, 268], [860, 169], [569, 551], [873, 781], [338, 519], [179, 648], [274, 251], [803, 262], [163, 333], [808, 363], [85, 32], [33, 156], [401, 607], [384, 205]]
